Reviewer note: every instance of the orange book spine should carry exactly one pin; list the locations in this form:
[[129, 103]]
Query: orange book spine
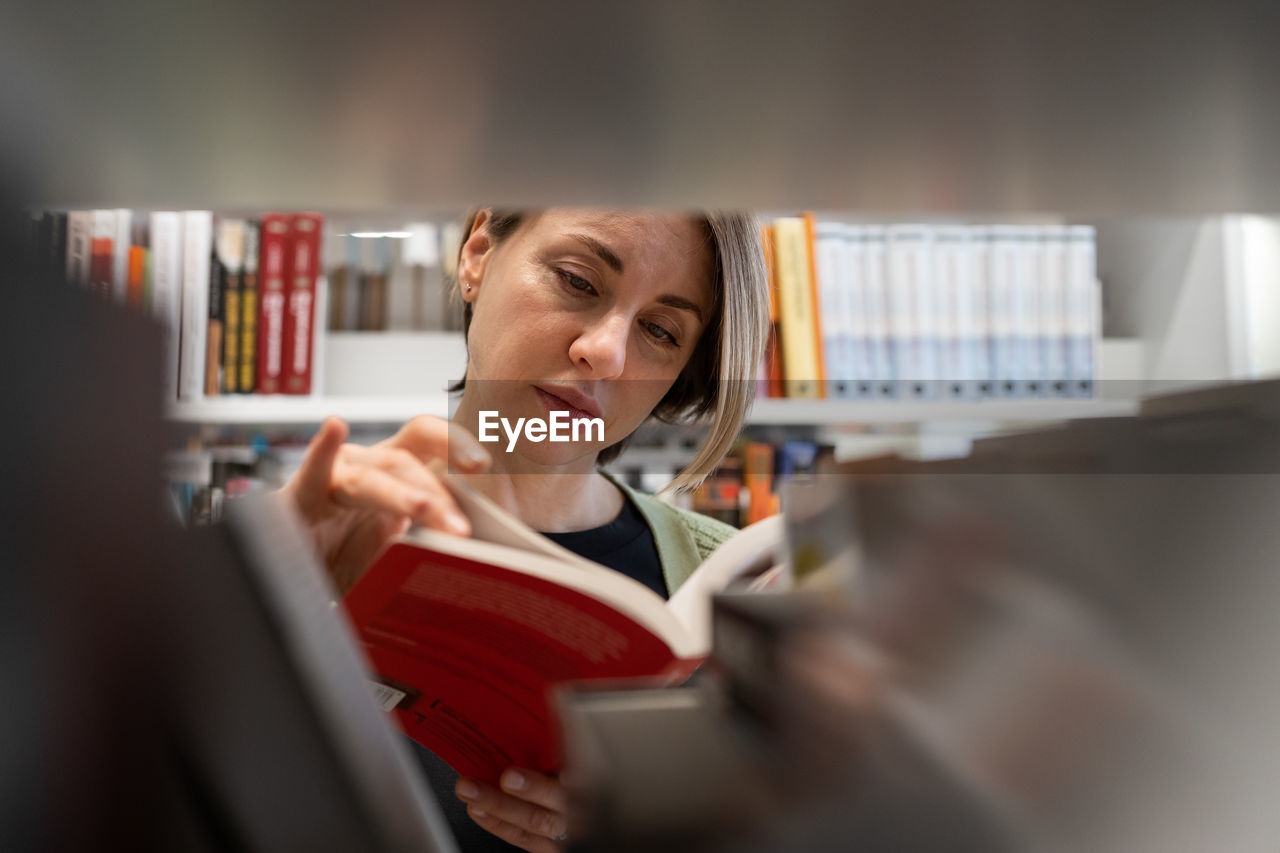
[[757, 479], [775, 384], [133, 295], [811, 243]]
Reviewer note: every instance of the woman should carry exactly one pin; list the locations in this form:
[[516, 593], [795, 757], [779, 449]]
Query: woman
[[620, 316]]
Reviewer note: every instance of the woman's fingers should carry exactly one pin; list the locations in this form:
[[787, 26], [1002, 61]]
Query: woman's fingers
[[430, 437], [314, 476], [528, 811], [513, 834], [538, 788], [377, 479]]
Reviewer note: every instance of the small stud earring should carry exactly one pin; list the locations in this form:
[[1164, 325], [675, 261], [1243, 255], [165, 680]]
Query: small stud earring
[[468, 288]]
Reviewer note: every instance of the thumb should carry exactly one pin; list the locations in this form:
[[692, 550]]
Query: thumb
[[316, 472]]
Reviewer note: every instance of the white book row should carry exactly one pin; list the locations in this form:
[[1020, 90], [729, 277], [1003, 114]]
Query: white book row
[[923, 311], [180, 244]]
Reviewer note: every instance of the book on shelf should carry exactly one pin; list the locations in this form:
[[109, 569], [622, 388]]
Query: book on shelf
[[1083, 309], [911, 311], [829, 270], [428, 295], [340, 273], [121, 234], [772, 368], [214, 331], [297, 336], [166, 290], [273, 245], [876, 284], [375, 262], [79, 246], [468, 637], [719, 496], [248, 361], [197, 246], [798, 306], [231, 258], [102, 258], [137, 280], [46, 244]]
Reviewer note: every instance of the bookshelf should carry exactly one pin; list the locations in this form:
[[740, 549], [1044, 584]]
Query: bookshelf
[[380, 378]]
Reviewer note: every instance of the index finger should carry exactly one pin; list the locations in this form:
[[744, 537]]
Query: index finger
[[316, 471], [430, 438]]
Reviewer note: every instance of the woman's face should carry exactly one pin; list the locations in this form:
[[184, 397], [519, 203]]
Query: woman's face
[[590, 312]]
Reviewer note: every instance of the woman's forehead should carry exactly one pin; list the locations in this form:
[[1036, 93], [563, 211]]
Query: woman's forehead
[[630, 224]]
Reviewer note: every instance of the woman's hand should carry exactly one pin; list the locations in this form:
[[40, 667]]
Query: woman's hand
[[356, 499], [527, 811]]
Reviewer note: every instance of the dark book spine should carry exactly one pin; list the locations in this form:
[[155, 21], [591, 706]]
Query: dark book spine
[[49, 245], [213, 348], [231, 296]]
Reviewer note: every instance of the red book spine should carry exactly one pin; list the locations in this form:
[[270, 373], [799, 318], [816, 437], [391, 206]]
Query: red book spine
[[272, 272], [100, 261], [300, 289]]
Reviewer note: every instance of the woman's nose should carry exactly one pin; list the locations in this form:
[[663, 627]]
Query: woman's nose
[[601, 348]]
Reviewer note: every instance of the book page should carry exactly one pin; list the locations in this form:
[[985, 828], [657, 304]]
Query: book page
[[492, 523], [756, 549]]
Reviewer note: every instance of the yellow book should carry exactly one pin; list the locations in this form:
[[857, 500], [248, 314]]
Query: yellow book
[[798, 306]]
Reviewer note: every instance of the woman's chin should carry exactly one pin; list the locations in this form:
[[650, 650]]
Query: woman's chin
[[546, 453]]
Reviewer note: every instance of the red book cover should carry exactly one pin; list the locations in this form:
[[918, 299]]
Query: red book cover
[[272, 270], [467, 653], [469, 637], [302, 265]]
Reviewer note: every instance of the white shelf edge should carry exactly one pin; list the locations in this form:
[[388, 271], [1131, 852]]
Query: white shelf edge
[[1119, 359], [783, 412], [284, 410]]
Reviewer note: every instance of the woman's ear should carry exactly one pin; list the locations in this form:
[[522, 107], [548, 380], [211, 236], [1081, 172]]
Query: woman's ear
[[474, 255]]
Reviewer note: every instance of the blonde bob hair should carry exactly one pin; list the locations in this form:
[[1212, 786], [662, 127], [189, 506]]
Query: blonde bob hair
[[719, 381]]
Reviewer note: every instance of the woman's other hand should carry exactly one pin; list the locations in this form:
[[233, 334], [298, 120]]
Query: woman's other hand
[[529, 810], [356, 499]]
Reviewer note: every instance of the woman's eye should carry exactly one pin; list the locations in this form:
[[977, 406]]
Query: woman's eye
[[577, 282], [660, 333]]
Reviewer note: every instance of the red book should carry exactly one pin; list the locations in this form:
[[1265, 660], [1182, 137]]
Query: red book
[[468, 638], [302, 263], [100, 267], [272, 269]]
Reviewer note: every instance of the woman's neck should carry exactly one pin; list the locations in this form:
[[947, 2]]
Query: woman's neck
[[552, 503], [553, 498]]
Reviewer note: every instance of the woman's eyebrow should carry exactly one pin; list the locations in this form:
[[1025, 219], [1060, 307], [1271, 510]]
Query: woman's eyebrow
[[680, 302], [600, 250]]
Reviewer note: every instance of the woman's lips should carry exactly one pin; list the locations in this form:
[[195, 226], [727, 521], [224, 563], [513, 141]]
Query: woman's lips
[[553, 403]]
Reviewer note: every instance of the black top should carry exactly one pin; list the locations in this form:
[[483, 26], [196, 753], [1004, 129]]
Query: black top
[[625, 545]]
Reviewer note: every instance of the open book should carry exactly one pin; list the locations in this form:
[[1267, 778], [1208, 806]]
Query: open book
[[468, 637]]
